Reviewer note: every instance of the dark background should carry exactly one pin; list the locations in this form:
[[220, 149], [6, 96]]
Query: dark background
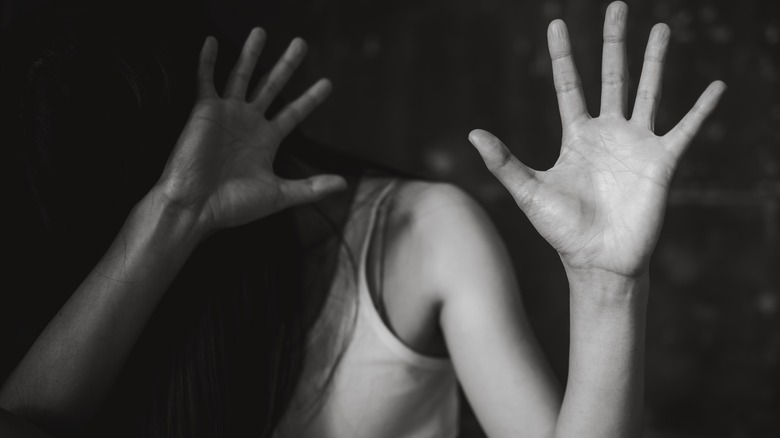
[[412, 78]]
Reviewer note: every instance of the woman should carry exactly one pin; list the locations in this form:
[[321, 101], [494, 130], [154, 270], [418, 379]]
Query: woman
[[422, 296]]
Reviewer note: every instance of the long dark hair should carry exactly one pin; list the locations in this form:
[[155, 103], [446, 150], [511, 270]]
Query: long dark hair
[[95, 109]]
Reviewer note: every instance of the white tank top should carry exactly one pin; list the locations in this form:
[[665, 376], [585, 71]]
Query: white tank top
[[380, 387]]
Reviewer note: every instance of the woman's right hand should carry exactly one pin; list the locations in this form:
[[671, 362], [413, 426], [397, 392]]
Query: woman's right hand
[[219, 174], [221, 169]]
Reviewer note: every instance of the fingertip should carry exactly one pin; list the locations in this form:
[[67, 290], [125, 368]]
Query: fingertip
[[481, 138], [615, 22], [325, 85], [256, 36], [681, 135], [661, 31], [714, 91], [475, 134], [325, 184], [659, 37], [208, 56], [556, 30], [298, 46], [209, 44], [340, 183], [718, 89], [558, 39], [719, 86], [321, 90], [617, 11]]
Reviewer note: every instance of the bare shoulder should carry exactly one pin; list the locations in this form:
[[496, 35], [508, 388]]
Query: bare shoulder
[[442, 230], [435, 210], [426, 205], [437, 245]]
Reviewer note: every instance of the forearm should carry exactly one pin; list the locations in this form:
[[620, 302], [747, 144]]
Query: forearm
[[65, 376], [605, 387]]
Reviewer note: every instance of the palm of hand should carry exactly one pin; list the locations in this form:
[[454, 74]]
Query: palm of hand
[[601, 206], [232, 162], [602, 203], [222, 166]]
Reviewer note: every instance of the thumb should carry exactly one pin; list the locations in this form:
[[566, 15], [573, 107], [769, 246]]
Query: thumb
[[515, 176], [302, 191]]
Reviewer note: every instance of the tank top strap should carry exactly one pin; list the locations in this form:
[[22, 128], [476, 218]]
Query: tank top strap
[[372, 220], [368, 310]]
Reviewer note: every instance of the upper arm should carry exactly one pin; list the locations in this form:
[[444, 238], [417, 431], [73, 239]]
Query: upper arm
[[498, 362]]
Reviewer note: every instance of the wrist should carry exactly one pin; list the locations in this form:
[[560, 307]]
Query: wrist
[[168, 225], [602, 288]]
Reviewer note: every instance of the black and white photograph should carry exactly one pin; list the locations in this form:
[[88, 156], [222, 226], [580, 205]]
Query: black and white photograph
[[390, 219]]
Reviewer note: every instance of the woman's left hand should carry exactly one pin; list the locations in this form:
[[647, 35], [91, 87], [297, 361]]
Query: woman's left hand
[[601, 206]]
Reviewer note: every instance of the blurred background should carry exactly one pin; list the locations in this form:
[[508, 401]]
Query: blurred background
[[412, 78]]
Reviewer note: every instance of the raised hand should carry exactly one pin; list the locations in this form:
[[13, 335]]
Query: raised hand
[[221, 169], [601, 205]]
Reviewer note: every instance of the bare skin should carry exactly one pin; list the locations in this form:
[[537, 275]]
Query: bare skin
[[449, 288], [601, 207], [219, 175]]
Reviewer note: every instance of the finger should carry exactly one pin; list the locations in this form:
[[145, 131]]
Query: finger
[[678, 139], [256, 91], [296, 192], [519, 179], [293, 114], [280, 74], [239, 78], [568, 86], [614, 68], [208, 57], [648, 93]]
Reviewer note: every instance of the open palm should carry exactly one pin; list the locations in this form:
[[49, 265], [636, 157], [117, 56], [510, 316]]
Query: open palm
[[602, 204], [222, 165]]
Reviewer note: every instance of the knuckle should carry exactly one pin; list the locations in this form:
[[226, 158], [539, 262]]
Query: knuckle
[[614, 38], [613, 78], [567, 85], [500, 163], [646, 94], [566, 81], [653, 58], [562, 54]]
